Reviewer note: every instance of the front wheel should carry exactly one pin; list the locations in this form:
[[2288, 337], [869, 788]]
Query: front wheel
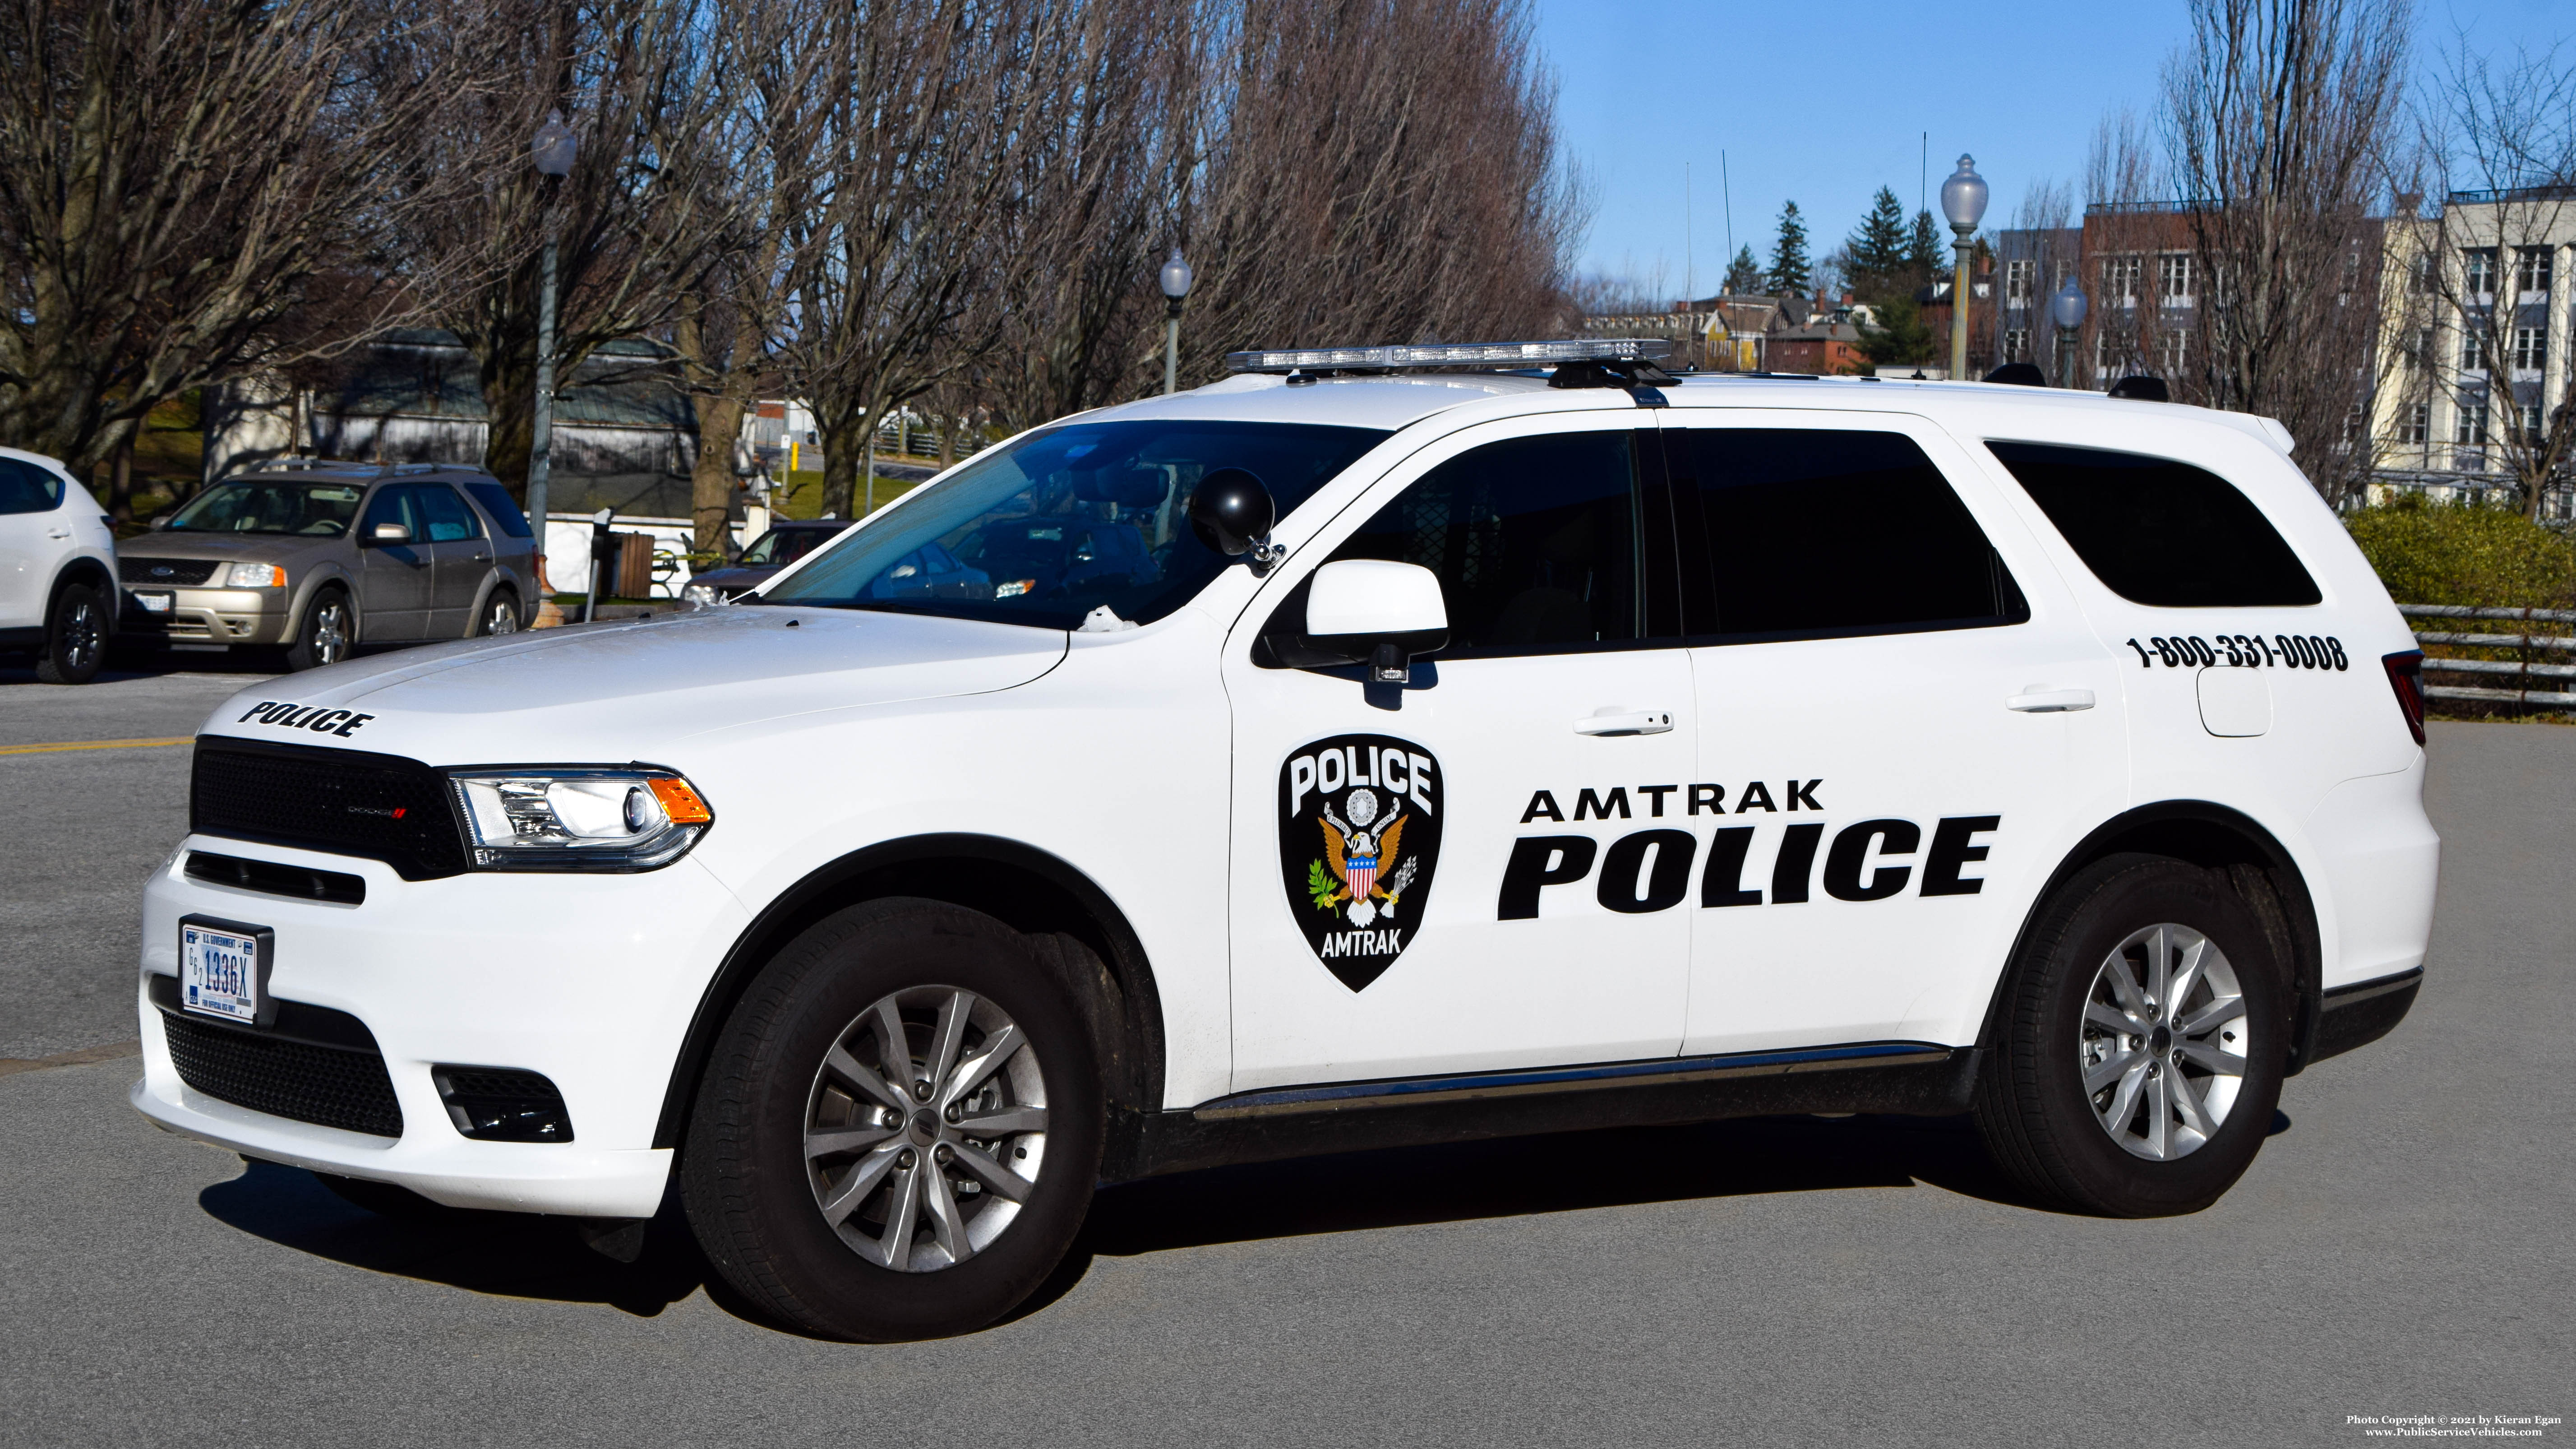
[[900, 1127], [75, 637], [2139, 1049], [325, 634]]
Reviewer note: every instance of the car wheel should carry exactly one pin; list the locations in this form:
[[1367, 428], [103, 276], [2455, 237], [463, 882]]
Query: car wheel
[[75, 637], [2139, 1045], [500, 614], [325, 635], [899, 1129]]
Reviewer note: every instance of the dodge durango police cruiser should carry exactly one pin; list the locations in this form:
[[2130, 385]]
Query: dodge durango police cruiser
[[1380, 746]]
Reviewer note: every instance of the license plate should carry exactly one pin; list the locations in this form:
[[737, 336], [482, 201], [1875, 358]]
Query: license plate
[[153, 603], [222, 969]]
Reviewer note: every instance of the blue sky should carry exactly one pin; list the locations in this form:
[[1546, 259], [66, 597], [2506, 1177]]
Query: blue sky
[[1823, 106]]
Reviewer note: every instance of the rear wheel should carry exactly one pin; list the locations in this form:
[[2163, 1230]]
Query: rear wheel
[[900, 1127], [2139, 1052], [325, 634], [500, 614], [75, 637]]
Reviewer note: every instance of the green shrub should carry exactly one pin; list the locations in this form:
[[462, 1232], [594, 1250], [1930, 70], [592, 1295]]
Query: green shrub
[[2430, 553]]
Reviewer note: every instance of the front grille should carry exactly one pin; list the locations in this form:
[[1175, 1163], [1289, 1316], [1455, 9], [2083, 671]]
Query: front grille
[[181, 570], [283, 1074], [277, 878], [382, 807]]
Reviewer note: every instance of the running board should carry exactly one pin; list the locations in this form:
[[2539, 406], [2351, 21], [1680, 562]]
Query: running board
[[1905, 1078]]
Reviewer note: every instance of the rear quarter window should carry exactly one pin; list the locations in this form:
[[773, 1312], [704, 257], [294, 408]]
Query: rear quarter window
[[2160, 532]]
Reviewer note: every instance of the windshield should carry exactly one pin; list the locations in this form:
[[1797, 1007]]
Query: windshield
[[271, 505], [1067, 521], [782, 546]]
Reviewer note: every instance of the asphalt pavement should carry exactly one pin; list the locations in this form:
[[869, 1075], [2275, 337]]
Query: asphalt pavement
[[2401, 1247]]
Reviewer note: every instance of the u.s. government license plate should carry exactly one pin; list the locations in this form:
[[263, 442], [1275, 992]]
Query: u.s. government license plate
[[219, 972]]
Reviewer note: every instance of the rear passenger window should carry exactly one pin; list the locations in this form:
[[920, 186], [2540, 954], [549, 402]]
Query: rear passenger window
[[1816, 533], [1534, 540], [2159, 532], [449, 520], [26, 488]]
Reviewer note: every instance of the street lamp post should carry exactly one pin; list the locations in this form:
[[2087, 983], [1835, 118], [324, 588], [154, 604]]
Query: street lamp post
[[1176, 290], [2066, 309], [1963, 200], [553, 152]]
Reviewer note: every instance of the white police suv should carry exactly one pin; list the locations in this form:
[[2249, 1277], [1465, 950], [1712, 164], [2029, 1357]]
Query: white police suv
[[1338, 756]]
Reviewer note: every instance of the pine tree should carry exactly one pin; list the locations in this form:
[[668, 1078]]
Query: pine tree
[[1744, 274], [1878, 249], [1923, 249], [1789, 268]]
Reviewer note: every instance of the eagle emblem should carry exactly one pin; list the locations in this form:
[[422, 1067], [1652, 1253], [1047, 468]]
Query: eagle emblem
[[1359, 838]]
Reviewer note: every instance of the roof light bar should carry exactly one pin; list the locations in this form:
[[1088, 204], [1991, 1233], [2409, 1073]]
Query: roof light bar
[[1452, 354]]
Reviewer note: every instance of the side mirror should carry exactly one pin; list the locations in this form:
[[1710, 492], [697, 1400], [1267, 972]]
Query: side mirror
[[1377, 612], [159, 523], [385, 533], [1232, 513]]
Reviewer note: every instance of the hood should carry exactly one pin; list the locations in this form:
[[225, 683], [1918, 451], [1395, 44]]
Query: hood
[[276, 548], [611, 693]]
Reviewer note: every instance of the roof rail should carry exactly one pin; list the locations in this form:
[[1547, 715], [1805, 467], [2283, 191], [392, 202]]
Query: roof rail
[[1490, 356]]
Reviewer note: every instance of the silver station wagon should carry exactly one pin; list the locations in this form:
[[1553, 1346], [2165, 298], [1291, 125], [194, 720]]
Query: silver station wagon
[[318, 557]]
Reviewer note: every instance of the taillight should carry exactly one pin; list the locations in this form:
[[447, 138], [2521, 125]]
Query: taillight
[[2406, 676]]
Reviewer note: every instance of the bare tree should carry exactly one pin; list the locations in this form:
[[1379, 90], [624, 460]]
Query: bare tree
[[190, 191], [2474, 284], [2280, 118]]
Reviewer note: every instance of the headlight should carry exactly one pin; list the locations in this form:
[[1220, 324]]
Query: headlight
[[255, 576], [577, 819]]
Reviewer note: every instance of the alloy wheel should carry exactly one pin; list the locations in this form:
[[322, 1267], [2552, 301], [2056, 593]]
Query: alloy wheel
[[330, 632], [925, 1130], [500, 616], [81, 636], [2164, 1043]]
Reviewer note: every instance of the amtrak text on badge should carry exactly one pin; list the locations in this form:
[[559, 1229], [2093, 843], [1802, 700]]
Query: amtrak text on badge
[[1359, 839]]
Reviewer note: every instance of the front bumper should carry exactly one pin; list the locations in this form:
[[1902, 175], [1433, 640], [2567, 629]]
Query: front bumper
[[206, 616], [590, 980]]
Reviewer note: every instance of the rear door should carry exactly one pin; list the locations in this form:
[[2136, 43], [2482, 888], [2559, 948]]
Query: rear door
[[34, 532], [1477, 870], [394, 579], [461, 558], [1903, 722]]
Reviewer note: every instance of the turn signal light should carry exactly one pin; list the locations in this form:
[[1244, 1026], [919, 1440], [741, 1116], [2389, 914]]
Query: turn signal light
[[679, 801]]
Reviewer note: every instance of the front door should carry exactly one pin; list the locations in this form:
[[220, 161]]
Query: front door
[[462, 559], [394, 579], [1904, 726], [1477, 870]]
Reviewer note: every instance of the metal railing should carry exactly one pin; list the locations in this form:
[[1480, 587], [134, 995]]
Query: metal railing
[[2526, 641]]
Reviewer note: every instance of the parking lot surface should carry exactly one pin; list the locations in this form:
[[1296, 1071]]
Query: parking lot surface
[[2400, 1247]]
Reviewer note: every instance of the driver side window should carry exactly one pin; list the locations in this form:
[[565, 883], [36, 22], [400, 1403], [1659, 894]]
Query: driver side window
[[393, 504], [1535, 540]]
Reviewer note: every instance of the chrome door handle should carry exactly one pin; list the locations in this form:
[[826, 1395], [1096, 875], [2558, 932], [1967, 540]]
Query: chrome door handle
[[2036, 700], [58, 533], [1616, 721]]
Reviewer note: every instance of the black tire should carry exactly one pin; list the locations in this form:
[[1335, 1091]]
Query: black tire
[[2044, 1130], [754, 1203], [326, 633], [500, 615], [75, 637]]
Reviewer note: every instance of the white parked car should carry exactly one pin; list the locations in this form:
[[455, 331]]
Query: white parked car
[[1314, 762], [57, 569]]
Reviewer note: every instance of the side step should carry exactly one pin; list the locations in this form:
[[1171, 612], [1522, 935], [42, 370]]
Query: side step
[[1903, 1078]]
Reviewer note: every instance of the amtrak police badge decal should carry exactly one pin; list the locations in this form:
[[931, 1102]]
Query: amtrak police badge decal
[[1359, 838]]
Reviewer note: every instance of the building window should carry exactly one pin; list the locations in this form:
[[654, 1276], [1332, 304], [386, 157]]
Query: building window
[[2415, 425], [2478, 270], [2173, 280], [2016, 344], [2419, 278], [2531, 268], [2173, 353], [2473, 350], [2527, 419], [2120, 278], [2419, 348], [2530, 349], [2018, 275], [2469, 425]]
